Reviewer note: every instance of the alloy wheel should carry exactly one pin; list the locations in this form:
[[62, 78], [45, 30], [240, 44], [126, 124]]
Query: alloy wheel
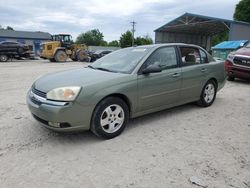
[[112, 118], [209, 93]]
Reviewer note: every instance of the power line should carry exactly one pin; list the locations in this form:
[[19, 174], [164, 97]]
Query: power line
[[133, 31]]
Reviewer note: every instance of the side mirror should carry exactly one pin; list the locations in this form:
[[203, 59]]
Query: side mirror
[[151, 69], [242, 44]]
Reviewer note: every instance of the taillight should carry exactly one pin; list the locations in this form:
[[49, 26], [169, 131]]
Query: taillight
[[227, 64]]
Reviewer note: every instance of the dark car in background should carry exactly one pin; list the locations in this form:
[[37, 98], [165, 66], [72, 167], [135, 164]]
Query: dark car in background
[[237, 64], [98, 54], [13, 50]]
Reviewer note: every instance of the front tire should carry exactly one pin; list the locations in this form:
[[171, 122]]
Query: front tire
[[208, 94], [110, 117], [61, 56], [3, 58]]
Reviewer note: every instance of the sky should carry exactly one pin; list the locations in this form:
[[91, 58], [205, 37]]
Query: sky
[[111, 17]]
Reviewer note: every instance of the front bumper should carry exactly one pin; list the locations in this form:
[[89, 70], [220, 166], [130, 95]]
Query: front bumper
[[238, 72], [67, 118]]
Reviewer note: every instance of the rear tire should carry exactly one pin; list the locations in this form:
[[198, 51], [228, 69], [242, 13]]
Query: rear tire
[[230, 78], [3, 58], [110, 117], [61, 56], [208, 94]]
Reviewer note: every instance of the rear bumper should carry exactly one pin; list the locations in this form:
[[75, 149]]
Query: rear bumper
[[238, 72]]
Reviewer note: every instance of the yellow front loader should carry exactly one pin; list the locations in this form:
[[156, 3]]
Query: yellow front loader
[[61, 48]]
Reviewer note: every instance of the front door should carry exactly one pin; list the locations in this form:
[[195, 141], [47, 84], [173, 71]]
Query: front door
[[162, 88]]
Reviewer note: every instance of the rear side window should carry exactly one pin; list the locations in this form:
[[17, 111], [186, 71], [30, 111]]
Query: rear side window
[[163, 57], [190, 56]]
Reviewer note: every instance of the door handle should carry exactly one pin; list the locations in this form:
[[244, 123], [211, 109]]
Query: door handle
[[203, 70], [175, 75]]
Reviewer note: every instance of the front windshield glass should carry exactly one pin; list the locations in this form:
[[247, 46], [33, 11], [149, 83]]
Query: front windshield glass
[[123, 61], [248, 46]]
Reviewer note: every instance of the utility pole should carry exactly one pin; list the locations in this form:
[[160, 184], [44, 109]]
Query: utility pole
[[133, 31]]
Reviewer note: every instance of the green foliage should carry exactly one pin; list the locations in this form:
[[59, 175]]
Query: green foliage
[[91, 38], [9, 28], [219, 38], [95, 38], [242, 11], [114, 43], [126, 39], [143, 40]]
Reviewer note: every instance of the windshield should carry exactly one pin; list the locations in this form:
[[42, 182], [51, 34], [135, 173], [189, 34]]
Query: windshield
[[123, 61], [248, 46]]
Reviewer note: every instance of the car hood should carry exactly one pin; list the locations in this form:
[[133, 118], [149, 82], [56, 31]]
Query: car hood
[[243, 51], [75, 77]]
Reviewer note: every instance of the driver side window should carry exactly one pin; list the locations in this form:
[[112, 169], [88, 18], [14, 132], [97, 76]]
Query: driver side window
[[165, 58]]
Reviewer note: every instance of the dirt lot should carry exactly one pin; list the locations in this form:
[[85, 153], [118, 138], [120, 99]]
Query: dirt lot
[[160, 150]]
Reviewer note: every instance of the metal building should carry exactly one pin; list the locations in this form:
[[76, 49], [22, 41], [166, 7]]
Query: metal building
[[32, 39], [198, 29]]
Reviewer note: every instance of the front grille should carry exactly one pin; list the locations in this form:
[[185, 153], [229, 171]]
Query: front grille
[[39, 93], [243, 61], [35, 101]]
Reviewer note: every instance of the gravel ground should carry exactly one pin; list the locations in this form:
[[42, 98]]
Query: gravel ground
[[163, 149]]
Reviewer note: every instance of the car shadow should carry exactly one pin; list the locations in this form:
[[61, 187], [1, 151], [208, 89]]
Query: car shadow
[[87, 137], [241, 81], [153, 117]]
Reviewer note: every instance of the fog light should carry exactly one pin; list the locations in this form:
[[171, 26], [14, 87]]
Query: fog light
[[53, 124]]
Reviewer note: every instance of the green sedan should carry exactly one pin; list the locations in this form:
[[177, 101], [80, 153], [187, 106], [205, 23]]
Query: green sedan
[[127, 83]]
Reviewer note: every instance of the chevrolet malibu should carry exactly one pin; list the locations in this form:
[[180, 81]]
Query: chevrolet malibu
[[127, 83]]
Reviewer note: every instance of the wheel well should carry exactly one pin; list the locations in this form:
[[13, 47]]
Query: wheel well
[[123, 97], [215, 81], [59, 49]]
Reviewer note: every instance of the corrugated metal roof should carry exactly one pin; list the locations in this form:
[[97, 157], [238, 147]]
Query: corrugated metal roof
[[25, 34], [230, 44], [195, 23]]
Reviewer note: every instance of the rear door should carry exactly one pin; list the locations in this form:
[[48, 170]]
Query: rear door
[[195, 69], [162, 88]]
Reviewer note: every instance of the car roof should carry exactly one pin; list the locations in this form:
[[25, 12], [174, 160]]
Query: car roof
[[155, 46], [168, 44]]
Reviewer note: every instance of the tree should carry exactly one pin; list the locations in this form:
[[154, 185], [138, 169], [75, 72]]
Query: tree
[[114, 43], [91, 38], [9, 28], [219, 38], [126, 39], [143, 40], [242, 11]]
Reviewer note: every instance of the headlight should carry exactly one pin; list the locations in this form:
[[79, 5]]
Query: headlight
[[64, 93], [230, 57]]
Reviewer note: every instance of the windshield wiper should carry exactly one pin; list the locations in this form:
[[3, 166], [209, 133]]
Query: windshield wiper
[[90, 66], [104, 69], [100, 68]]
